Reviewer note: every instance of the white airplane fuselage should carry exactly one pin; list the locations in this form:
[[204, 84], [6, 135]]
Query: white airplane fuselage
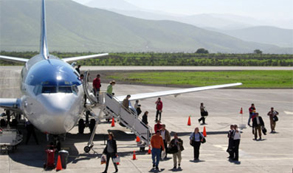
[[53, 96]]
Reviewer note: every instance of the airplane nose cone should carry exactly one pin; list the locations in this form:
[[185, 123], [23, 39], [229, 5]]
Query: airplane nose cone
[[58, 112]]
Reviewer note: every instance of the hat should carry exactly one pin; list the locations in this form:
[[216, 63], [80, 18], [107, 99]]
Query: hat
[[113, 81]]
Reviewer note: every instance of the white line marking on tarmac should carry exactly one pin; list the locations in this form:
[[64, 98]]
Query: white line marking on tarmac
[[288, 113]]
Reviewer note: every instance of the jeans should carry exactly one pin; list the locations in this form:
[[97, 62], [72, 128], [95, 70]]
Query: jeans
[[156, 156]]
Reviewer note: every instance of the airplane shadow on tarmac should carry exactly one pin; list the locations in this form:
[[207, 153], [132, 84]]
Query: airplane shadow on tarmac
[[35, 155]]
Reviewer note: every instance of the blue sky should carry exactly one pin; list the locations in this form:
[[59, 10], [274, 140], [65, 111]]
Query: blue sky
[[259, 9]]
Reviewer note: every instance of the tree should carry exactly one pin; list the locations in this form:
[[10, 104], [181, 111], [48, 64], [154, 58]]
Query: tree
[[257, 51], [202, 50]]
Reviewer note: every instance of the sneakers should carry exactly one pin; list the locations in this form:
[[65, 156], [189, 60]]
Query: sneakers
[[179, 166], [157, 168]]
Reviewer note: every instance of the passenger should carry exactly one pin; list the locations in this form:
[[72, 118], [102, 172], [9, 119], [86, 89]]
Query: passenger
[[159, 107], [236, 143], [81, 77], [110, 88], [157, 144], [273, 114], [110, 151], [203, 113], [145, 118], [231, 142], [251, 110], [145, 121], [136, 104], [177, 142], [97, 85], [125, 102], [138, 110], [195, 140], [257, 125], [166, 137], [158, 126], [78, 69], [30, 129]]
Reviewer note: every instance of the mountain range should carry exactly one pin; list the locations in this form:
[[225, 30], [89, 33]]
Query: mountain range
[[72, 27]]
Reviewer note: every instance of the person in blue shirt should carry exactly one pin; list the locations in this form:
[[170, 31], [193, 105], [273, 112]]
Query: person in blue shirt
[[195, 140]]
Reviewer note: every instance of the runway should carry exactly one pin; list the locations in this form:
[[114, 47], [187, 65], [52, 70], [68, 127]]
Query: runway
[[273, 154]]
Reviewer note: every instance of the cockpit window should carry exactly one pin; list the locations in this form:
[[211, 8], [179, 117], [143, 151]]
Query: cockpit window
[[49, 89], [65, 89]]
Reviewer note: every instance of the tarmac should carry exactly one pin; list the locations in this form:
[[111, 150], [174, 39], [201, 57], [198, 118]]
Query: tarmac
[[273, 154]]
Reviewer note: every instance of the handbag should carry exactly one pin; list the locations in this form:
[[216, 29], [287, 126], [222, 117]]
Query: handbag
[[202, 139], [264, 130], [116, 159], [103, 159], [172, 150], [205, 113], [275, 118], [192, 142]]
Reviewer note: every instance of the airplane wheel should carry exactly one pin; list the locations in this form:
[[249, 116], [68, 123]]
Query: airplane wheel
[[87, 149], [81, 126]]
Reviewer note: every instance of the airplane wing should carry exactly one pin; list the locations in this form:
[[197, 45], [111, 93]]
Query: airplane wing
[[70, 59], [15, 59], [11, 104], [175, 92]]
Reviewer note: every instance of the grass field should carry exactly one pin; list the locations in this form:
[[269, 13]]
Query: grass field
[[250, 79]]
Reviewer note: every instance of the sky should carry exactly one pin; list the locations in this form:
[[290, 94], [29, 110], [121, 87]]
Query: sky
[[259, 9]]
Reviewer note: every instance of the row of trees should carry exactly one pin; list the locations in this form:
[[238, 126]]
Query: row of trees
[[171, 59]]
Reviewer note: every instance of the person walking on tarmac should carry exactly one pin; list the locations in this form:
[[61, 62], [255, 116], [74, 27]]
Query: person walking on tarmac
[[166, 137], [273, 114], [159, 107], [257, 125], [203, 113], [30, 131], [195, 140], [251, 113], [157, 144], [110, 151]]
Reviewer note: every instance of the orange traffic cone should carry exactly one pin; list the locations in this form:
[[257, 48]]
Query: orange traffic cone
[[134, 156], [189, 121], [137, 139], [113, 122], [204, 131], [59, 166], [149, 151]]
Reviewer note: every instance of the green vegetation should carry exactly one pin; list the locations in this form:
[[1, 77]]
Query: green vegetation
[[172, 59], [250, 79]]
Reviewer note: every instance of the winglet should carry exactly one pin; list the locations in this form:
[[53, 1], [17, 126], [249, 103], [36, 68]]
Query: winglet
[[44, 46]]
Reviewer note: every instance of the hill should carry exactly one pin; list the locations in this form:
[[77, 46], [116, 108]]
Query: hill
[[72, 27], [263, 34]]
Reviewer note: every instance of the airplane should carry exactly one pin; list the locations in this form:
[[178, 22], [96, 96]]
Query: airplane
[[53, 94]]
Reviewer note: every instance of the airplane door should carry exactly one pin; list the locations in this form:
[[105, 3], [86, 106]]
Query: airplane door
[[87, 89]]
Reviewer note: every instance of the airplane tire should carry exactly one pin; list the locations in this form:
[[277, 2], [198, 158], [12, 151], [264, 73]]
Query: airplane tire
[[87, 149], [92, 124], [81, 126]]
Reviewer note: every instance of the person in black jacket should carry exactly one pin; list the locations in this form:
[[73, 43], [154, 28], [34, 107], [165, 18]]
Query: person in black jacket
[[257, 125], [231, 141], [145, 118], [111, 151]]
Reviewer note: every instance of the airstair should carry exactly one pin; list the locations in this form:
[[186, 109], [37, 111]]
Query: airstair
[[128, 118], [112, 107]]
